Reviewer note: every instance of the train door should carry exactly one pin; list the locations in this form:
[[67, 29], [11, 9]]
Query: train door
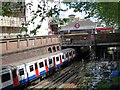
[[68, 56], [63, 58], [36, 69], [46, 66], [15, 78], [72, 55], [60, 60], [23, 75], [54, 62]]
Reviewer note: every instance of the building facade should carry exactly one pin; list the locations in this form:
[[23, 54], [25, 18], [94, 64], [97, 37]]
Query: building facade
[[12, 26]]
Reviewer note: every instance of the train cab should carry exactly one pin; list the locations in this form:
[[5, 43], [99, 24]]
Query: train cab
[[8, 78]]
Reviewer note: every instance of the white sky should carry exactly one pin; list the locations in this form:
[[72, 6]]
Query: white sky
[[70, 11]]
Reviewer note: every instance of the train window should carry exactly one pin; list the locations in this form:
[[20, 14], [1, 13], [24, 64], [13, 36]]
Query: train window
[[21, 72], [67, 55], [50, 61], [70, 54], [57, 58], [31, 68], [62, 56], [5, 77], [41, 64], [73, 52]]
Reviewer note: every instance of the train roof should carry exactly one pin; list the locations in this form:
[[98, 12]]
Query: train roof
[[4, 69], [36, 58]]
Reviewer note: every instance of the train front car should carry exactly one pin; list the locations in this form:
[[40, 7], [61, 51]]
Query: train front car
[[8, 77]]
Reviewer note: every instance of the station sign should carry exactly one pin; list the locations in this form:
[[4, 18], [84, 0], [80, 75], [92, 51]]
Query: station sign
[[77, 25]]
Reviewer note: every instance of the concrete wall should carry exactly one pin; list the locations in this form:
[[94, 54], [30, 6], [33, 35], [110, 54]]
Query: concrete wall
[[15, 45], [13, 50], [26, 54]]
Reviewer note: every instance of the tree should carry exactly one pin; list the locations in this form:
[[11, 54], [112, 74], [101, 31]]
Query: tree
[[107, 12], [8, 8], [43, 11]]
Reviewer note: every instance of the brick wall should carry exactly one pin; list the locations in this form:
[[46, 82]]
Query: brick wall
[[26, 54]]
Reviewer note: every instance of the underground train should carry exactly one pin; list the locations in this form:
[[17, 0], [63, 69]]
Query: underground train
[[25, 71]]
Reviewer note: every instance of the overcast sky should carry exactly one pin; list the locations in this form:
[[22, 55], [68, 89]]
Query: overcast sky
[[70, 11]]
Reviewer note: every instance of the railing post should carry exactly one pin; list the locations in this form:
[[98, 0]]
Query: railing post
[[18, 43], [27, 42], [34, 41], [7, 45], [46, 39], [41, 40]]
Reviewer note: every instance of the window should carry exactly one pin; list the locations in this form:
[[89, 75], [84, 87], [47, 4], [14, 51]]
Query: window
[[50, 61], [31, 68], [21, 72], [41, 64], [50, 50], [62, 56], [54, 49], [70, 54], [58, 48], [67, 55], [5, 77], [57, 58], [73, 52]]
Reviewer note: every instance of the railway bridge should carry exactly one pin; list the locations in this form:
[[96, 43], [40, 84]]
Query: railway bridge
[[94, 45]]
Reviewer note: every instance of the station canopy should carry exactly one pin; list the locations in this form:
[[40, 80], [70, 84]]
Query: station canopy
[[78, 26]]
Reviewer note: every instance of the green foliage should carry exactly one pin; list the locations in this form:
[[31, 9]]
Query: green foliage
[[43, 11], [7, 8]]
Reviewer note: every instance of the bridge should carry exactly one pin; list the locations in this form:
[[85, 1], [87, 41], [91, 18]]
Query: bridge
[[91, 46], [85, 39]]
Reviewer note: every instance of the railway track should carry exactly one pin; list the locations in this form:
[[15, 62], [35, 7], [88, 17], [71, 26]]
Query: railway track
[[69, 74]]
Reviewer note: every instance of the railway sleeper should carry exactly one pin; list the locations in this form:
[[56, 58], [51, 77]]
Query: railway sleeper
[[66, 78]]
